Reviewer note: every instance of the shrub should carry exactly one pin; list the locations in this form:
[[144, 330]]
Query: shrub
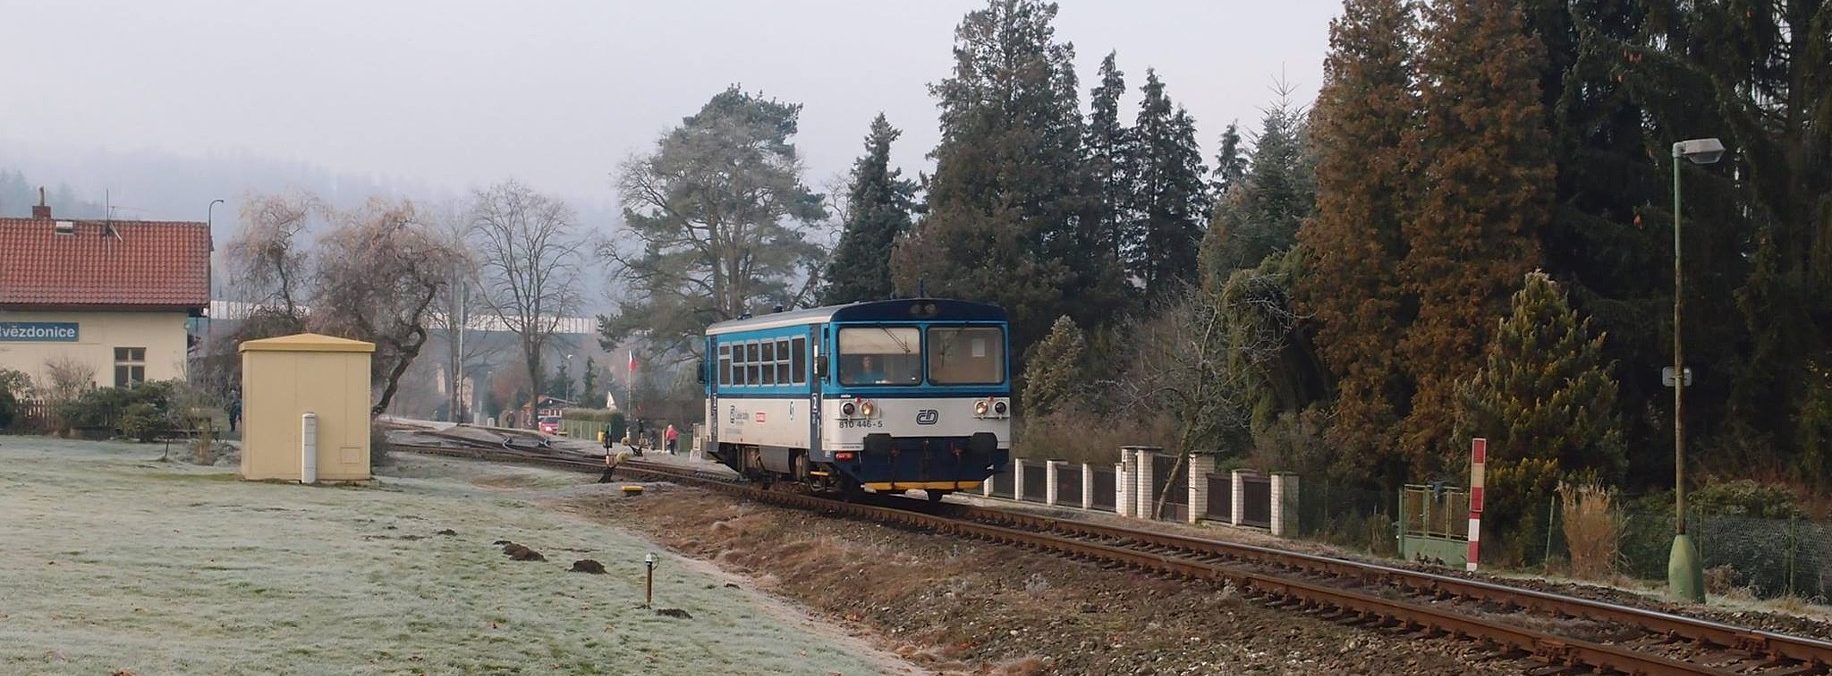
[[141, 422], [1746, 498], [9, 409]]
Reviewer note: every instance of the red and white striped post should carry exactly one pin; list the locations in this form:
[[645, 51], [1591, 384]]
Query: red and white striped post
[[1478, 454]]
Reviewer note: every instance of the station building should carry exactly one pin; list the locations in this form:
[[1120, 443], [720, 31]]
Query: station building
[[116, 296]]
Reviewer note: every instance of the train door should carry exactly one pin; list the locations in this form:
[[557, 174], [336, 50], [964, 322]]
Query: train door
[[809, 350]]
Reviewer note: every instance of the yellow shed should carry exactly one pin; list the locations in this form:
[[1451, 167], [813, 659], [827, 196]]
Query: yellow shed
[[285, 379]]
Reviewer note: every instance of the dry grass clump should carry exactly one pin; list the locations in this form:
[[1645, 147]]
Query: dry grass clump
[[1593, 529]]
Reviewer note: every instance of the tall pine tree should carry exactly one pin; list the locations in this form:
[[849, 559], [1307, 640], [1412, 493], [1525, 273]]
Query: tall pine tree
[[878, 212], [1171, 200], [1277, 193], [1010, 195], [1230, 163], [1353, 246], [1110, 153], [1483, 150]]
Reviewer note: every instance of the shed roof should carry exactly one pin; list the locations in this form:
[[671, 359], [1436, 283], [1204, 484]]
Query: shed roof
[[306, 342], [104, 264]]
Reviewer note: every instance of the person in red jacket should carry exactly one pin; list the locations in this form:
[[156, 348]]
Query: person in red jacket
[[672, 436]]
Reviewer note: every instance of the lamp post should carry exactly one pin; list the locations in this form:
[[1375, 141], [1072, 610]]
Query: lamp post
[[1685, 573], [210, 213]]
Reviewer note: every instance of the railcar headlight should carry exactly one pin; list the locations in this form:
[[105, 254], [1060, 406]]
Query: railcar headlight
[[848, 409], [979, 407], [1000, 408], [866, 407]]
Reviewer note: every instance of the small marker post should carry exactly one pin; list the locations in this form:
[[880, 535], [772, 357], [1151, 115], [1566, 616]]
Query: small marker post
[[648, 589]]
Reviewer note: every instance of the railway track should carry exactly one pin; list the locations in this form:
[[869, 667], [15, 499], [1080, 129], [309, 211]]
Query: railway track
[[1558, 630]]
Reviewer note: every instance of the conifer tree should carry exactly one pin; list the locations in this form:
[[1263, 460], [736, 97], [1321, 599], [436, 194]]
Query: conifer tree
[[1483, 150], [1544, 390], [1230, 163], [878, 212], [1171, 201], [1278, 192], [1354, 244], [1546, 401], [1010, 195], [1055, 377], [1110, 154]]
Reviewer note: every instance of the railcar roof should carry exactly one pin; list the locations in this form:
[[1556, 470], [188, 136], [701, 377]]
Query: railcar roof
[[879, 310]]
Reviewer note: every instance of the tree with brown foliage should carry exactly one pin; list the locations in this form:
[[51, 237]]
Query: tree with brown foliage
[[1483, 153], [1353, 245]]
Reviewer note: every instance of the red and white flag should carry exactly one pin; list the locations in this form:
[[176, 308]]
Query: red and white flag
[[632, 360]]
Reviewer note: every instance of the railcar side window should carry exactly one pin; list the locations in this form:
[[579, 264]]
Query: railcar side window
[[782, 362], [768, 362], [753, 353], [880, 355], [725, 364], [798, 360], [966, 355], [738, 365]]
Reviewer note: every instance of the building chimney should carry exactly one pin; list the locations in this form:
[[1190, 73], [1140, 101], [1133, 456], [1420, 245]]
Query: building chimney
[[41, 210]]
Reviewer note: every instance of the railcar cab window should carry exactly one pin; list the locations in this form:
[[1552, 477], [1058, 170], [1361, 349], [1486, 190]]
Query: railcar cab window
[[966, 355], [881, 355]]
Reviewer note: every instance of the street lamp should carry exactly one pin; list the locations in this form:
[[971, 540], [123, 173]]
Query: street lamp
[[1685, 573], [210, 213]]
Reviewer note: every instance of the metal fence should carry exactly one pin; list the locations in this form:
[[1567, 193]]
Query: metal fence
[[1221, 497], [1068, 485], [1348, 515], [1256, 501], [1105, 483], [1001, 484], [1767, 557], [1036, 481]]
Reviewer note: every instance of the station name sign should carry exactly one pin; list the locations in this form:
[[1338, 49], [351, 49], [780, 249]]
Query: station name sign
[[38, 332]]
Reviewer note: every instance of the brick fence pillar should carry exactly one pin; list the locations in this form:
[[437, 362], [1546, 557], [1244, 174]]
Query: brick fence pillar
[[1087, 486], [1239, 494], [1122, 485], [1284, 504], [1050, 472], [1199, 488], [1146, 491]]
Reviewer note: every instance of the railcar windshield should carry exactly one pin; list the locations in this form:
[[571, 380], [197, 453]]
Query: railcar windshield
[[880, 355], [966, 355]]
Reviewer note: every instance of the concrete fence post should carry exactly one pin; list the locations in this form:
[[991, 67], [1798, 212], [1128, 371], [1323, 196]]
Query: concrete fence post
[[1017, 479], [1087, 486], [1239, 494], [1122, 485], [1146, 491], [1050, 472], [1199, 487], [1284, 504], [986, 486]]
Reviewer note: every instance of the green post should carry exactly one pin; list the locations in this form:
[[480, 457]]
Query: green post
[[1685, 573]]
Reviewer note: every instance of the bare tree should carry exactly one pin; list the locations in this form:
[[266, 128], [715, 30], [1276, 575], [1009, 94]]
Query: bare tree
[[1199, 359], [457, 305], [382, 267], [270, 263], [528, 257]]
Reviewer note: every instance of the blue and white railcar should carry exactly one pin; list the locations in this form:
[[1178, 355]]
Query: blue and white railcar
[[888, 396]]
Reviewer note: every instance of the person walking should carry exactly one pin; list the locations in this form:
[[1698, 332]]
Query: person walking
[[672, 436], [235, 410]]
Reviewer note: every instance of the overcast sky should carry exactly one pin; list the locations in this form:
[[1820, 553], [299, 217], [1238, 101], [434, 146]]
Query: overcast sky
[[461, 94]]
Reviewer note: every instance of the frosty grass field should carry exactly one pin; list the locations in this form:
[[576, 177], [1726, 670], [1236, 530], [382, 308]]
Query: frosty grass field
[[115, 561]]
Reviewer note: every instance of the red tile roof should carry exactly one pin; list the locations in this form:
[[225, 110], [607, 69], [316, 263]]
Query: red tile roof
[[164, 264]]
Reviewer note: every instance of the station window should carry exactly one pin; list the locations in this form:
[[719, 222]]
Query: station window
[[798, 360], [130, 366], [725, 364]]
